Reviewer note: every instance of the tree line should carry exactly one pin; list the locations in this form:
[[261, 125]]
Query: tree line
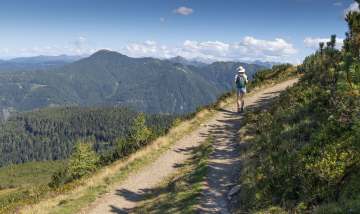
[[51, 133]]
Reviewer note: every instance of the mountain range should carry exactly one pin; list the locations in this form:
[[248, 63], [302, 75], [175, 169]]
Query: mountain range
[[6, 66], [266, 64], [201, 62], [38, 62], [48, 62], [184, 61], [108, 78], [43, 58]]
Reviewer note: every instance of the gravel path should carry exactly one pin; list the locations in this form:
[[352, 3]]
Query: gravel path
[[224, 162]]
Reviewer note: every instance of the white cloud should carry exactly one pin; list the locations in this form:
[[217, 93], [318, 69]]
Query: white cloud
[[247, 48], [352, 7], [278, 47], [150, 43], [338, 3], [79, 42], [183, 11], [6, 50], [314, 43], [43, 50], [163, 20], [79, 46]]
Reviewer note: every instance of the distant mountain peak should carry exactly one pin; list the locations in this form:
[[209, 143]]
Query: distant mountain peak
[[182, 60], [107, 53], [179, 57], [266, 63]]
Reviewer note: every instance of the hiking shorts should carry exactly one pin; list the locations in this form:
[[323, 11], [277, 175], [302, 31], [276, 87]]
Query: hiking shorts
[[241, 90]]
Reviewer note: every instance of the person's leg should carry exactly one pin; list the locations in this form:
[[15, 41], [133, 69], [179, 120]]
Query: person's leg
[[243, 92], [238, 98], [242, 101]]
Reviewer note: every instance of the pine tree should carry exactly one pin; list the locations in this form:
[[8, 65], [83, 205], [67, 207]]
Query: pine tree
[[140, 132], [11, 168], [352, 41], [83, 159]]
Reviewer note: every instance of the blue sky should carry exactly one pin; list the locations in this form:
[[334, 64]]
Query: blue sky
[[240, 30]]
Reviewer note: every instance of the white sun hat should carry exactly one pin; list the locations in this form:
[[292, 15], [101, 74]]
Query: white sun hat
[[241, 69]]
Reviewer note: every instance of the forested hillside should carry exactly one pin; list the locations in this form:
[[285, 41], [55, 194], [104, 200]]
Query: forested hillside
[[110, 78], [51, 133]]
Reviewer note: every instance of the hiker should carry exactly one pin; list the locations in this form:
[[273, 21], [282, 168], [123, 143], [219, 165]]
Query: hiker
[[240, 80]]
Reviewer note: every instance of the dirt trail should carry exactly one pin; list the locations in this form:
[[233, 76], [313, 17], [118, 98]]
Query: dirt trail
[[224, 162]]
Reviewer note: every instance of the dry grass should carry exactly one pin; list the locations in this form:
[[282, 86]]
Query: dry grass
[[9, 191], [246, 137]]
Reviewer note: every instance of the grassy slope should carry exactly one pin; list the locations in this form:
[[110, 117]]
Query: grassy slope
[[27, 175], [296, 159]]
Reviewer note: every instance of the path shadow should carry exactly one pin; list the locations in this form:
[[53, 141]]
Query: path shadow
[[275, 92], [131, 196], [118, 210], [263, 101], [188, 149]]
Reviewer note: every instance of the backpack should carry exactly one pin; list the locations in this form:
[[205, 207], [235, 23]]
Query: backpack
[[240, 81]]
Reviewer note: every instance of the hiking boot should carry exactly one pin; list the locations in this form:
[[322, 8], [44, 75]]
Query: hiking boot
[[242, 110], [238, 110]]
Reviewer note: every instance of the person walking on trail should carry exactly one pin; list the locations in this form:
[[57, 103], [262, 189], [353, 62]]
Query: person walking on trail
[[240, 80]]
